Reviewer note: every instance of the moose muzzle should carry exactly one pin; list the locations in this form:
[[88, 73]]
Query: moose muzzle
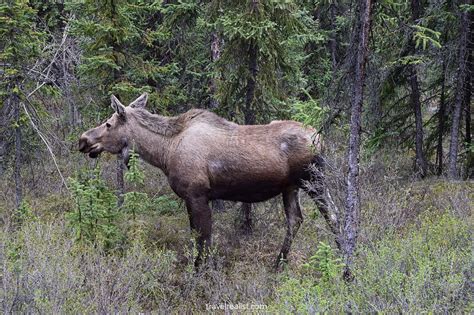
[[86, 147]]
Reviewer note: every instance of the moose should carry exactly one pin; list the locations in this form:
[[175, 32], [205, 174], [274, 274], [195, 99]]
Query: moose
[[206, 157]]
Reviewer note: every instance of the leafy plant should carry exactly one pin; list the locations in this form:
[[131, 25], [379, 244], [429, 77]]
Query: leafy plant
[[23, 213]]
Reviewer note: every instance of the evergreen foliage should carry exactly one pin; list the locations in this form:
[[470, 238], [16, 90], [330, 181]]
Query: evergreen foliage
[[135, 202], [94, 217]]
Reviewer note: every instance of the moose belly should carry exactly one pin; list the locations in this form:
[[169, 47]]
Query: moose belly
[[246, 191], [248, 184], [250, 180]]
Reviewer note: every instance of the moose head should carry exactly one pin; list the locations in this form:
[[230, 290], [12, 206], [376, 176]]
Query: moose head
[[113, 135]]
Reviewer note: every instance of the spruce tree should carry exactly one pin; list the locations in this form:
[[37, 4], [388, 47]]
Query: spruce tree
[[257, 63], [20, 44], [110, 35]]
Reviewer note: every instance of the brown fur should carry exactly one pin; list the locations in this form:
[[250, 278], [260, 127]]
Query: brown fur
[[206, 157]]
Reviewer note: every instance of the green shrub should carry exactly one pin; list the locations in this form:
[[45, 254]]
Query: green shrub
[[325, 263], [23, 213], [423, 269], [165, 204], [319, 279], [135, 202], [94, 217]]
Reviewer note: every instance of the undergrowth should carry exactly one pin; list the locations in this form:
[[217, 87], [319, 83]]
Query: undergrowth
[[414, 253], [424, 268]]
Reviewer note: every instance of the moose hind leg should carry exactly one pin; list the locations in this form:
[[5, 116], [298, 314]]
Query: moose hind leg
[[294, 218], [201, 222], [246, 217]]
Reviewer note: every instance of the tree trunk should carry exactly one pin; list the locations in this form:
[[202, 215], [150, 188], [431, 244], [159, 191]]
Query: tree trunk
[[18, 148], [72, 111], [3, 136], [3, 151], [215, 55], [352, 208], [116, 78], [467, 106], [249, 116], [249, 113], [66, 84], [461, 79], [441, 121], [416, 104], [415, 99], [332, 39], [217, 205], [468, 84], [467, 109], [469, 152]]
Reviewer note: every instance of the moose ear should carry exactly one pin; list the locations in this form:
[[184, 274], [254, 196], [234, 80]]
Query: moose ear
[[117, 106], [140, 102]]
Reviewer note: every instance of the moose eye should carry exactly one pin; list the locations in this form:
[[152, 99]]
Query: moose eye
[[107, 125]]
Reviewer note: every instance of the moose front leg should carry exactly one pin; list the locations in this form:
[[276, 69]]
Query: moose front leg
[[200, 219]]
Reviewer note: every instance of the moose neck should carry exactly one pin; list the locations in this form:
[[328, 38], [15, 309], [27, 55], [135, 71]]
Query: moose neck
[[152, 147]]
